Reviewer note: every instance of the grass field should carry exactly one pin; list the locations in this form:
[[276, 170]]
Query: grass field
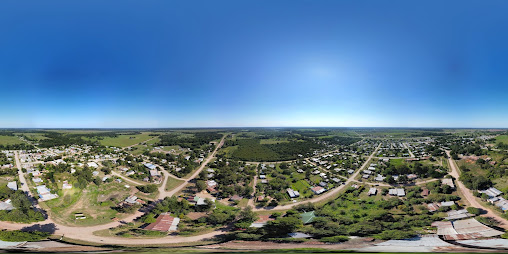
[[502, 138], [95, 203], [126, 140], [10, 140], [172, 183]]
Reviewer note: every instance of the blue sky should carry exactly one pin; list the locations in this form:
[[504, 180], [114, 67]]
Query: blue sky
[[253, 63]]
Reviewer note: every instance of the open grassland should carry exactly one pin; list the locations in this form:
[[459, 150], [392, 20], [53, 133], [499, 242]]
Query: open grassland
[[10, 140], [502, 138], [95, 202], [126, 140]]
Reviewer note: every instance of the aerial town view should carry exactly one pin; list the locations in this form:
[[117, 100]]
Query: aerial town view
[[282, 126]]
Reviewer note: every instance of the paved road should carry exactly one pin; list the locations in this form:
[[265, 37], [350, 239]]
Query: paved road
[[325, 195], [470, 198]]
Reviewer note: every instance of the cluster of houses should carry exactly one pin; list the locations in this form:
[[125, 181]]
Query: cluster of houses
[[495, 198]]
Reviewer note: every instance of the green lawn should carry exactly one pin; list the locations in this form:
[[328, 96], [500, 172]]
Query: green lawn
[[172, 183], [126, 140], [10, 140], [502, 138]]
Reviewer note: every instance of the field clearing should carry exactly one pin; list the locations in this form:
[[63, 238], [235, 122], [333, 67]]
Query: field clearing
[[95, 202], [35, 136], [126, 140], [502, 138], [172, 183], [10, 140]]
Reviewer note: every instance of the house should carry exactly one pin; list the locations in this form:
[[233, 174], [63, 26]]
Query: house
[[45, 193], [372, 191], [37, 180], [6, 205], [492, 192], [335, 179], [307, 217], [323, 184], [235, 198], [12, 185], [433, 207], [397, 192], [261, 222], [150, 166], [92, 165], [132, 200], [425, 192], [379, 178], [155, 173], [448, 181], [129, 173], [350, 171], [95, 173], [164, 223], [412, 176], [262, 176], [447, 203], [66, 185], [318, 190], [292, 193]]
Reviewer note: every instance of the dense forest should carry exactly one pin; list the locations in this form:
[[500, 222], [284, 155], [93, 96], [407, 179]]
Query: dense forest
[[253, 150], [196, 141]]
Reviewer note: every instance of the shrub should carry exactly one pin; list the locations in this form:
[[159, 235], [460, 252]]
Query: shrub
[[20, 236], [334, 239]]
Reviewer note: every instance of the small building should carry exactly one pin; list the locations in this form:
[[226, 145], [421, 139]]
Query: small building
[[318, 190], [150, 166], [425, 192], [66, 185], [448, 181], [447, 203], [307, 217], [372, 191], [6, 205], [92, 165], [261, 222], [12, 185], [164, 223], [45, 193], [292, 193], [397, 192]]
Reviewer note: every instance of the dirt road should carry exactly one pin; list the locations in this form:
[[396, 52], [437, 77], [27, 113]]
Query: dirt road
[[470, 198], [325, 195], [164, 193]]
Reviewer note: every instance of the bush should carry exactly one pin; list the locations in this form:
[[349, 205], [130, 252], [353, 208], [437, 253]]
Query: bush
[[334, 239], [150, 188], [474, 210], [21, 236]]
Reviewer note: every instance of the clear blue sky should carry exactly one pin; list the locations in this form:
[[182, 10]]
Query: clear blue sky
[[131, 63]]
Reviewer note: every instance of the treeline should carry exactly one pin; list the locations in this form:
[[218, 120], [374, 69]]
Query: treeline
[[22, 236], [196, 141], [416, 168], [59, 139], [20, 146], [342, 141], [253, 150]]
